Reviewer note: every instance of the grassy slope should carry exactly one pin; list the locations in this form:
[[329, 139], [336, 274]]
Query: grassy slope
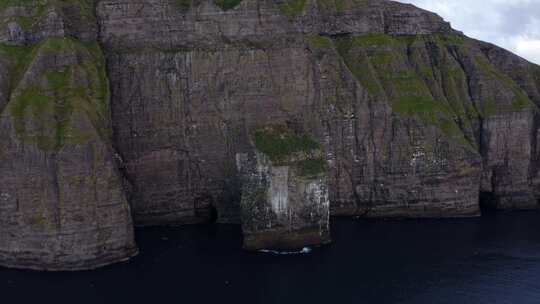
[[45, 107], [394, 69]]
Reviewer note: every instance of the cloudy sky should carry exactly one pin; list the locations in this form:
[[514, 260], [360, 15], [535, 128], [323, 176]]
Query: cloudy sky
[[512, 24]]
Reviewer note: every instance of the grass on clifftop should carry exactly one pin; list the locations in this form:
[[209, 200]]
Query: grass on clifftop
[[292, 8], [227, 4], [451, 39], [278, 143], [320, 42], [19, 58], [284, 147], [311, 167]]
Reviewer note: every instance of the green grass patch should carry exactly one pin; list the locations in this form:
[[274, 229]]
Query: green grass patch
[[358, 62], [4, 4], [331, 6], [373, 40], [520, 102], [382, 59], [19, 58], [58, 44], [320, 42], [183, 5], [36, 9], [411, 105], [382, 64], [407, 39], [279, 143], [43, 112], [451, 39], [48, 118], [227, 4], [285, 148], [58, 79], [311, 167], [292, 8]]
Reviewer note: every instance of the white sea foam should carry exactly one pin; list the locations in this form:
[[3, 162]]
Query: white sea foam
[[304, 250]]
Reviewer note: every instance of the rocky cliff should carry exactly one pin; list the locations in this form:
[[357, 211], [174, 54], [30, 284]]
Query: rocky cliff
[[121, 109], [63, 203]]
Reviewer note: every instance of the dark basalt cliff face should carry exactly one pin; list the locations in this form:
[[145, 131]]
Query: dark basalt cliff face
[[121, 109], [63, 203]]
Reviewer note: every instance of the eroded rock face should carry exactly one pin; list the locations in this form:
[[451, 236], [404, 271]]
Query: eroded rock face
[[285, 204], [62, 199]]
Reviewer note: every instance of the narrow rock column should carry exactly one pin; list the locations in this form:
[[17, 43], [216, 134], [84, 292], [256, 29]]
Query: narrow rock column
[[285, 203]]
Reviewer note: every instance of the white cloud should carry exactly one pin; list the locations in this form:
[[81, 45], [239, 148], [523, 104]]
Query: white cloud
[[528, 48], [511, 24]]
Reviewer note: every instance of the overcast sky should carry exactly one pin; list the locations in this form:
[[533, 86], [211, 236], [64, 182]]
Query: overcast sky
[[512, 24]]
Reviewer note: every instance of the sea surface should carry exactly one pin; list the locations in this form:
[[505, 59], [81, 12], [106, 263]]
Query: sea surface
[[492, 259]]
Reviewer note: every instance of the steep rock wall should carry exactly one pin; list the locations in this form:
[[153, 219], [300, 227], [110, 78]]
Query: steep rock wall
[[394, 95], [62, 199]]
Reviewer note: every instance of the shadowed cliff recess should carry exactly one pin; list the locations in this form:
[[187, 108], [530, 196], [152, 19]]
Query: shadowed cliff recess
[[122, 112]]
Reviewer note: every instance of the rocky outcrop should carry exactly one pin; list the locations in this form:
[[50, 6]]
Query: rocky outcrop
[[62, 199], [285, 201]]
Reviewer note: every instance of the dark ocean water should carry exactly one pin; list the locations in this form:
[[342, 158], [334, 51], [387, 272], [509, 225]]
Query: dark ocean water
[[493, 259]]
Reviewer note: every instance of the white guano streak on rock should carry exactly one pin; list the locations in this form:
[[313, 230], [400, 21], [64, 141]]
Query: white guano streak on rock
[[317, 193], [278, 196]]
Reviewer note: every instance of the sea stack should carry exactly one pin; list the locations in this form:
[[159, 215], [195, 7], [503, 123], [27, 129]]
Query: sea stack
[[285, 203]]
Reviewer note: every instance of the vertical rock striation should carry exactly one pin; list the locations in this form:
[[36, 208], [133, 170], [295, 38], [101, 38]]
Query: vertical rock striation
[[365, 78], [62, 200]]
